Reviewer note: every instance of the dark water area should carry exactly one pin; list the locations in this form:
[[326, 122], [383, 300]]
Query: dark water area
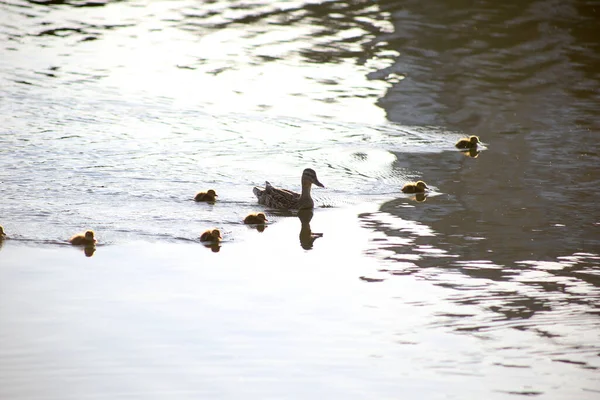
[[113, 113]]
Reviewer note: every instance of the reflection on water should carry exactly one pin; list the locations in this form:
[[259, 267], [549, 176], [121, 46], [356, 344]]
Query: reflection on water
[[307, 236], [89, 250], [214, 247], [473, 153]]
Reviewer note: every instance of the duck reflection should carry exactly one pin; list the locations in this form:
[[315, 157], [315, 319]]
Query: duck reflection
[[307, 237], [89, 250], [419, 197], [473, 153], [214, 247]]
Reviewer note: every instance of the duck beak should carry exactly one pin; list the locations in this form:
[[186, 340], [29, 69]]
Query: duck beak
[[316, 182]]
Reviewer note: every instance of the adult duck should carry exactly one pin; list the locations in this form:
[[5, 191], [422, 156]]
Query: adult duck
[[285, 199]]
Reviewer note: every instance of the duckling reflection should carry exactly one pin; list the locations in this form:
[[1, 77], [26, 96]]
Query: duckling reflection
[[472, 152], [214, 247], [307, 237], [89, 250], [420, 197]]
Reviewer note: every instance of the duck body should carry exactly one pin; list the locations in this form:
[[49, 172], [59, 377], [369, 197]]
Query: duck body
[[415, 187], [211, 235], [83, 239], [279, 198], [468, 143], [255, 218], [209, 196]]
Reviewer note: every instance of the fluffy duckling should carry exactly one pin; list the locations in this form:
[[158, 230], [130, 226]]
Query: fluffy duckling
[[468, 143], [210, 196], [83, 239], [255, 218], [415, 187], [211, 235]]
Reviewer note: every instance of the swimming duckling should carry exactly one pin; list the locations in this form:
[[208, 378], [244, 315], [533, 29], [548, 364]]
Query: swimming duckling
[[83, 239], [209, 196], [415, 187], [255, 218], [468, 143], [285, 199], [211, 235]]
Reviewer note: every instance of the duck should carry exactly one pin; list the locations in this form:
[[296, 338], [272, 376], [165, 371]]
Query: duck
[[468, 143], [255, 218], [285, 199], [415, 187], [83, 239], [210, 196], [211, 235]]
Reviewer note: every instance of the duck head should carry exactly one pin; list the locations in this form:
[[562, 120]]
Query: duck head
[[310, 176], [421, 185], [474, 140]]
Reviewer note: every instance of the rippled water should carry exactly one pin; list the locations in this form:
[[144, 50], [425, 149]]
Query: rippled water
[[113, 114]]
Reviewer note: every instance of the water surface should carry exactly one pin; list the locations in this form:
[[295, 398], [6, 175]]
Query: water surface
[[114, 114]]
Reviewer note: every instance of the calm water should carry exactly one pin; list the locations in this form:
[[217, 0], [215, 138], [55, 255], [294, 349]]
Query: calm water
[[113, 114]]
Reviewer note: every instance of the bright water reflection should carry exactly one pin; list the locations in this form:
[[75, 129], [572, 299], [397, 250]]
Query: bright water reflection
[[114, 114]]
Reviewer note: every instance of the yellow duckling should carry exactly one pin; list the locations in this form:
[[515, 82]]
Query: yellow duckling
[[210, 196], [83, 239], [255, 218], [211, 235], [415, 187], [468, 143]]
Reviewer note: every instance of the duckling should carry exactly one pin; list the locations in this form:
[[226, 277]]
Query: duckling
[[285, 199], [211, 235], [83, 239], [415, 187], [468, 143], [255, 218], [209, 196]]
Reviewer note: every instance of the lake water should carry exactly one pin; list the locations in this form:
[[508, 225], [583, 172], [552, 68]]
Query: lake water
[[114, 114]]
